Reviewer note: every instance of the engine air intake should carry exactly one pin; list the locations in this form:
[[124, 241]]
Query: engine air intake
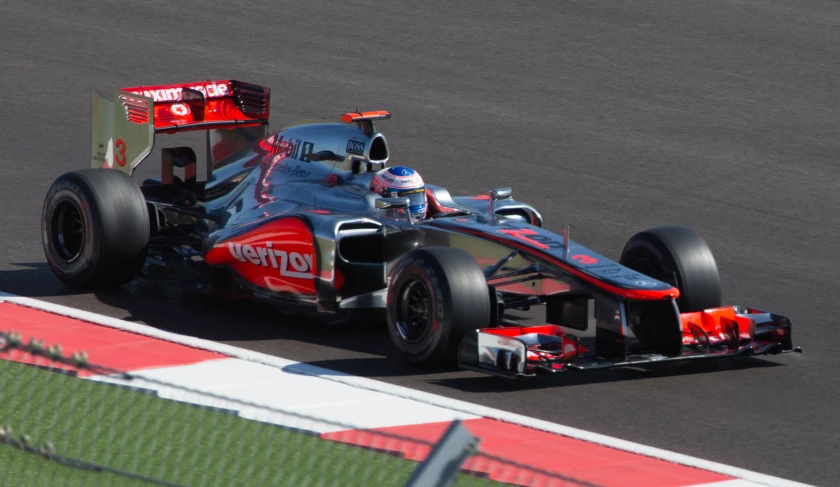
[[378, 149]]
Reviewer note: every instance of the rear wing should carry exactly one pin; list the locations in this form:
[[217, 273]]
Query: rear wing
[[233, 113]]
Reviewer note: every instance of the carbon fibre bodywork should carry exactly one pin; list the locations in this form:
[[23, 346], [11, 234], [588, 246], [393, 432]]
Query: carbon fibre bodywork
[[290, 217]]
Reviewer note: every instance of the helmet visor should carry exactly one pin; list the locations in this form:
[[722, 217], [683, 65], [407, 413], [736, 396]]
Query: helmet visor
[[416, 201], [416, 196]]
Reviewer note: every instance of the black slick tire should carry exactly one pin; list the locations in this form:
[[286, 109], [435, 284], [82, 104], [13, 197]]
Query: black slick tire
[[448, 294], [95, 228], [679, 256]]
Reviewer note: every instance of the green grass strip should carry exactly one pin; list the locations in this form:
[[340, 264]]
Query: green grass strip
[[167, 440]]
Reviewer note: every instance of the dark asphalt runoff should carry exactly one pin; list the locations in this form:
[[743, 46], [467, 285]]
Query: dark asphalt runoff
[[615, 116]]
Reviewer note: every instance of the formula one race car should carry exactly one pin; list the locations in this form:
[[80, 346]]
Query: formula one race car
[[313, 218]]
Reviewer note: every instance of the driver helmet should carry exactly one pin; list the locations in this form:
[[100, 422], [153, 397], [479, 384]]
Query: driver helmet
[[402, 182]]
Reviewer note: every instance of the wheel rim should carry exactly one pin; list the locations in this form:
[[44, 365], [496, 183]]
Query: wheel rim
[[68, 231], [414, 311]]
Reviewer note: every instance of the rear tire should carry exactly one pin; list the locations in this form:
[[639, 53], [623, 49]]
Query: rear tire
[[436, 296], [679, 256], [95, 228]]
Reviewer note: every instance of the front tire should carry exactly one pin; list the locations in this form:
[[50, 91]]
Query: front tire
[[95, 228], [679, 256], [436, 296]]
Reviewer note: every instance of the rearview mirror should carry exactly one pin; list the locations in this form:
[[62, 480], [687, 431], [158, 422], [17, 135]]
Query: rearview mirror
[[500, 194], [496, 195], [385, 203]]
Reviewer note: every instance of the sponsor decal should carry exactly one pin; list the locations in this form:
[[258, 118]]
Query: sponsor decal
[[645, 283], [290, 264], [355, 147], [339, 194], [631, 277], [278, 255], [532, 237], [603, 269], [210, 90], [611, 270], [101, 157], [179, 109], [504, 341], [406, 192], [294, 148], [296, 171], [400, 182]]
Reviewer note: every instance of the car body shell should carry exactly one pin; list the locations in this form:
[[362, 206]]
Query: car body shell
[[291, 216]]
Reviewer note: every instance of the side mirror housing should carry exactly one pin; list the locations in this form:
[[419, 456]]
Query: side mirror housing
[[500, 194], [496, 195]]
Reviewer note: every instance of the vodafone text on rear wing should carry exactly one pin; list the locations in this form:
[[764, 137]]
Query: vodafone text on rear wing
[[233, 113]]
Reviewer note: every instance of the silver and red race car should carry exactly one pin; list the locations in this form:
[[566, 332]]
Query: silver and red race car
[[290, 217]]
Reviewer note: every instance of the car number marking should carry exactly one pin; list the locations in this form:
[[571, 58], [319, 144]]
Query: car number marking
[[120, 144], [584, 259]]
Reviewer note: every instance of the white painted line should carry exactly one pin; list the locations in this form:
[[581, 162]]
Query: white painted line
[[330, 407], [404, 392], [728, 483]]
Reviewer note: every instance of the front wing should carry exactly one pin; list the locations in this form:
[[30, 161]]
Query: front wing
[[515, 352]]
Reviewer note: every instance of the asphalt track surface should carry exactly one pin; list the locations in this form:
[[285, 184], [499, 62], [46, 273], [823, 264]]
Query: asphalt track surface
[[615, 116]]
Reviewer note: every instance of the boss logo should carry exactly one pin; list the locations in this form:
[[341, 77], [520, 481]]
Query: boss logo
[[290, 264], [355, 147]]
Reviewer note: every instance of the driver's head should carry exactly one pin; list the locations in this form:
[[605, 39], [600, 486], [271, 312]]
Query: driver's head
[[402, 182]]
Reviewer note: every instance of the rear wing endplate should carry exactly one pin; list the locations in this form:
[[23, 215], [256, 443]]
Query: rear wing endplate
[[233, 113]]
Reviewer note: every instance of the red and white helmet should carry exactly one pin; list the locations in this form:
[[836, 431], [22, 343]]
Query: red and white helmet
[[402, 182]]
